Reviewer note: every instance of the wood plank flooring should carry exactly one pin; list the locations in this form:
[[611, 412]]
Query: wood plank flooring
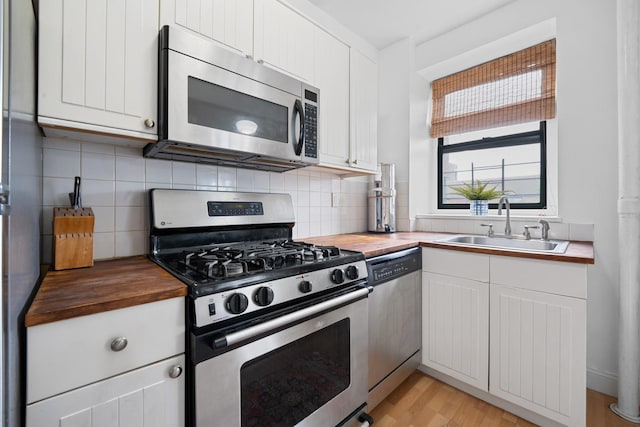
[[422, 401]]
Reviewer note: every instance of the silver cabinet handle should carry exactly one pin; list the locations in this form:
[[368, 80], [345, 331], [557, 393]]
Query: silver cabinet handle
[[149, 123], [260, 61], [119, 344], [175, 371]]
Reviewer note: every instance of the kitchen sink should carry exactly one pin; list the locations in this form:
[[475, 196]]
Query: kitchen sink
[[514, 243]]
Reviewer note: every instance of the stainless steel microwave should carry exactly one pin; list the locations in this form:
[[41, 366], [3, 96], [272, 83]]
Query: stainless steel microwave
[[217, 107]]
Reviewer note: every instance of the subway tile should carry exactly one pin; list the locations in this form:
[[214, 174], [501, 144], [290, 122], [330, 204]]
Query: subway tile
[[55, 191], [276, 182], [315, 183], [210, 188], [130, 193], [130, 243], [302, 214], [128, 151], [60, 163], [303, 182], [98, 166], [157, 170], [130, 168], [61, 144], [103, 246], [184, 186], [130, 218], [104, 219], [290, 182], [207, 175], [97, 193], [261, 181], [244, 179], [227, 177], [303, 198], [183, 173], [91, 147], [315, 199]]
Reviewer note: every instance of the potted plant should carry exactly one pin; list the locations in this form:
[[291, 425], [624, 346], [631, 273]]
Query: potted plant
[[478, 195]]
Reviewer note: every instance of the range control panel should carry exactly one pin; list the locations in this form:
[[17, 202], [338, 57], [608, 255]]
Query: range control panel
[[391, 266]]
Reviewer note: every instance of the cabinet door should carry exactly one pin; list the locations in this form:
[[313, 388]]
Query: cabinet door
[[332, 78], [283, 39], [538, 343], [227, 22], [98, 65], [455, 333], [146, 397], [364, 112]]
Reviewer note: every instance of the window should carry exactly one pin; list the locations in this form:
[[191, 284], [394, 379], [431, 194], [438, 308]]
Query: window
[[490, 122], [515, 163]]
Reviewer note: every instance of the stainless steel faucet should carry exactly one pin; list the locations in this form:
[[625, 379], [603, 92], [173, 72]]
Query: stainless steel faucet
[[545, 229], [507, 226]]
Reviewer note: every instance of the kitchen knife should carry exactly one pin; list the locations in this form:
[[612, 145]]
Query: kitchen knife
[[76, 193]]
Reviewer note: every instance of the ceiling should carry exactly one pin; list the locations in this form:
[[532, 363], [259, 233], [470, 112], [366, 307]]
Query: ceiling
[[383, 22]]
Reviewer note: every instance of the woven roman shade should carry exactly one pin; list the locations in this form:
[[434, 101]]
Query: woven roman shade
[[516, 88]]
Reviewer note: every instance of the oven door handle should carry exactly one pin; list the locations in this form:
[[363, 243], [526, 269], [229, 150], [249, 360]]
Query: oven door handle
[[236, 337]]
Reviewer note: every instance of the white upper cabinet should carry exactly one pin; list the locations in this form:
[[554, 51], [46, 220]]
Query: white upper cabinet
[[283, 39], [98, 66], [332, 78], [364, 112], [226, 22]]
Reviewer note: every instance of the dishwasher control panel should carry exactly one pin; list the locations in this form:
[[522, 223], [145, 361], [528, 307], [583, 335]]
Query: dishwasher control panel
[[390, 266]]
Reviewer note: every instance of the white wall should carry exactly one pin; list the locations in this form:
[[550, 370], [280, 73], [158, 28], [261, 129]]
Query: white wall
[[115, 181], [587, 140]]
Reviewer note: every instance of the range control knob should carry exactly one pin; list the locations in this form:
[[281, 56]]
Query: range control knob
[[237, 303], [263, 296], [352, 272], [337, 276], [305, 286]]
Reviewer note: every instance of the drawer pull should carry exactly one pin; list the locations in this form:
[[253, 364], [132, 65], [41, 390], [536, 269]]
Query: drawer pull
[[175, 371], [119, 344], [149, 123]]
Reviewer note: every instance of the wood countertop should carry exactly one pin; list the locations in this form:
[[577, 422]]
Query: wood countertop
[[373, 244], [108, 285]]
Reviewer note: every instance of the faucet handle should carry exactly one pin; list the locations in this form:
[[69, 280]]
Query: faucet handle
[[526, 233], [490, 232]]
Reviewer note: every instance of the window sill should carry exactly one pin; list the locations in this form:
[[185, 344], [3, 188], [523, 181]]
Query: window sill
[[492, 216]]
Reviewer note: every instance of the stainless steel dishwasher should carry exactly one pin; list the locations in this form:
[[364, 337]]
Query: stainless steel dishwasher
[[395, 320]]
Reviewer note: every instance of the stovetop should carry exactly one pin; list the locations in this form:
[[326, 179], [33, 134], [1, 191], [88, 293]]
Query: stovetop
[[217, 268]]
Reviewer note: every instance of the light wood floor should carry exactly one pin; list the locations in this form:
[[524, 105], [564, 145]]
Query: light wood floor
[[422, 401]]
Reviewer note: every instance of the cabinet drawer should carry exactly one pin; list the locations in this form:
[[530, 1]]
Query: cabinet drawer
[[560, 278], [71, 353], [456, 263]]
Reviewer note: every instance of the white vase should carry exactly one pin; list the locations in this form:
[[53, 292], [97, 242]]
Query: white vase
[[479, 207]]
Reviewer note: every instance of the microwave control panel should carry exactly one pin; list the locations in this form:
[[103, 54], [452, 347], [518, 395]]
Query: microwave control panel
[[310, 130]]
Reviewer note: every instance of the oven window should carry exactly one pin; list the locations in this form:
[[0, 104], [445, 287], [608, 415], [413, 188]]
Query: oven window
[[283, 387], [226, 109]]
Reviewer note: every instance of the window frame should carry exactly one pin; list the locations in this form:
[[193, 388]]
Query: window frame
[[523, 138]]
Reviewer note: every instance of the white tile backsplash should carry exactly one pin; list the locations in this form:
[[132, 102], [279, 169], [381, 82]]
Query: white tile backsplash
[[98, 165], [116, 181]]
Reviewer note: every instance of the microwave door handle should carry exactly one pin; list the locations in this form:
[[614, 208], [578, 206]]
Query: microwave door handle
[[297, 109]]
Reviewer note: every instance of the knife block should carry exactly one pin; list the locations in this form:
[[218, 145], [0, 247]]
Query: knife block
[[72, 238]]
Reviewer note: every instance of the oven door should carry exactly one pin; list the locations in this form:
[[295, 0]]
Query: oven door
[[312, 373]]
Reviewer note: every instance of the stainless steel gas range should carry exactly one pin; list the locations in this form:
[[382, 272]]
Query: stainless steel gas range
[[277, 329]]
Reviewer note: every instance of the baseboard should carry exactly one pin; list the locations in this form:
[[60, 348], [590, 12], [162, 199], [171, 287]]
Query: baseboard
[[604, 382]]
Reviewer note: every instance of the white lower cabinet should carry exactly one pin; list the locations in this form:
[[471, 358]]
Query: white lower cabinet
[[116, 368], [514, 327], [145, 397], [456, 329]]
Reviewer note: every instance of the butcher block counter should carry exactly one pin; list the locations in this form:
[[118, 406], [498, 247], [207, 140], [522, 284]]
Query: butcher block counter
[[108, 285], [373, 244]]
